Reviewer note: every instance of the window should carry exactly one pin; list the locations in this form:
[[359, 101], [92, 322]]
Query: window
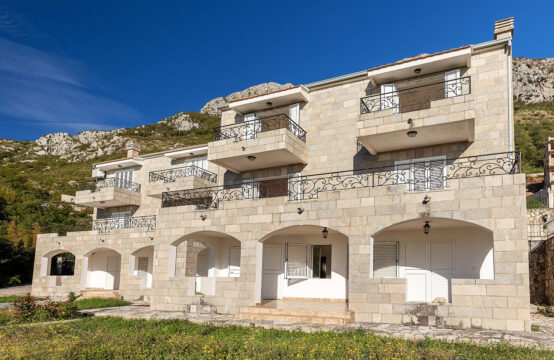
[[452, 84], [122, 219], [62, 264], [385, 259], [201, 162], [389, 97], [296, 261], [124, 179], [422, 174], [321, 261]]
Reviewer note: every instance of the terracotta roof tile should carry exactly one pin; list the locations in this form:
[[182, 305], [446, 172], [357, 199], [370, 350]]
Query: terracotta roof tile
[[418, 57], [269, 93]]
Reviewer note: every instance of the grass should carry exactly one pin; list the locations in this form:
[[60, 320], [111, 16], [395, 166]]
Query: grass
[[97, 303], [116, 338], [7, 299]]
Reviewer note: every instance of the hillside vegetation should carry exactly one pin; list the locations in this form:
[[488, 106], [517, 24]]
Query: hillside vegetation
[[29, 184], [534, 123]]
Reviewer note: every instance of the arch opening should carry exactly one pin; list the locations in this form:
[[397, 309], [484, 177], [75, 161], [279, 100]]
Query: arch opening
[[103, 269], [450, 249], [142, 263], [205, 256], [303, 263]]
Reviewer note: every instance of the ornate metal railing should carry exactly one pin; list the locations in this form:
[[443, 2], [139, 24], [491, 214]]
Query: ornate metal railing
[[251, 128], [417, 175], [170, 175], [108, 224], [114, 182], [416, 98]]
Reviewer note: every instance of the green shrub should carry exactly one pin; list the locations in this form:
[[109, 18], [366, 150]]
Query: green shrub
[[26, 309]]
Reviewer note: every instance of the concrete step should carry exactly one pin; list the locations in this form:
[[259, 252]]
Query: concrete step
[[296, 315]]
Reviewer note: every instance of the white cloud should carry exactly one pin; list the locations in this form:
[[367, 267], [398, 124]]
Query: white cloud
[[51, 92]]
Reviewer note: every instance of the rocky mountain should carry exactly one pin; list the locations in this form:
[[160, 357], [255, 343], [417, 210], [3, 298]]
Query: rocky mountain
[[533, 79], [211, 106]]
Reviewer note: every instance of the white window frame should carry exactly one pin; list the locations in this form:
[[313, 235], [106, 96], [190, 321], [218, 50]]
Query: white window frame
[[307, 249], [397, 260], [452, 77], [396, 99], [427, 161]]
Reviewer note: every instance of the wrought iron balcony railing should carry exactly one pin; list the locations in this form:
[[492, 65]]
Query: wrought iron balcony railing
[[170, 175], [250, 129], [108, 224], [416, 98], [417, 175], [114, 182]]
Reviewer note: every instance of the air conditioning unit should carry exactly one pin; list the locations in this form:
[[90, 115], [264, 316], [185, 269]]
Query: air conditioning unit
[[97, 173]]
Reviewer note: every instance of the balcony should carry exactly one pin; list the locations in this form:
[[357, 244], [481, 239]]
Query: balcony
[[426, 115], [257, 144], [110, 192], [187, 177], [416, 176], [109, 224]]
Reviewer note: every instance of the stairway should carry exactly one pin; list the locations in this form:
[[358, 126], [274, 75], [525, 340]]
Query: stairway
[[323, 317], [100, 293]]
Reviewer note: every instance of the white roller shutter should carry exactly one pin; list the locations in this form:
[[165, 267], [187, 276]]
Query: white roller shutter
[[385, 259], [296, 261]]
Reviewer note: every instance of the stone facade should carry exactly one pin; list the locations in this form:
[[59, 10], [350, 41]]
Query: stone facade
[[480, 196]]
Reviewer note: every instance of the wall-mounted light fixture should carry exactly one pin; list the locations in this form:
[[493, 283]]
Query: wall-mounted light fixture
[[300, 210], [251, 157], [151, 238], [203, 217], [544, 218], [101, 240], [59, 243], [426, 199], [411, 133], [243, 148], [325, 233], [426, 227]]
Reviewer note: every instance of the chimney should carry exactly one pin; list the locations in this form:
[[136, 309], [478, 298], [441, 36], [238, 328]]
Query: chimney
[[132, 149], [504, 28]]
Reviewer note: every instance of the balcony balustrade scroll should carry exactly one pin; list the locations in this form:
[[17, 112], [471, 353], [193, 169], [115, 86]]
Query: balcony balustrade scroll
[[419, 176], [416, 98], [108, 224], [252, 128], [171, 175], [119, 183]]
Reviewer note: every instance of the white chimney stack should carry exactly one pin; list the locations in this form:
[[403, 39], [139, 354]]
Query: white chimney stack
[[504, 28]]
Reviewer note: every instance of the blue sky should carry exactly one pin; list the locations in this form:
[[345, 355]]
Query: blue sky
[[74, 65]]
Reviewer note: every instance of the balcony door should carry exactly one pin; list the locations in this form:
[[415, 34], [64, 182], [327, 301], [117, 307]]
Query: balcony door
[[452, 83], [124, 178], [250, 126], [389, 97], [201, 162], [422, 174], [294, 115], [122, 219]]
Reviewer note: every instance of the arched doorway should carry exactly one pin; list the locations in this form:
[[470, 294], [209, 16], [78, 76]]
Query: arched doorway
[[304, 263], [429, 253], [142, 262], [58, 263], [103, 269], [205, 256]]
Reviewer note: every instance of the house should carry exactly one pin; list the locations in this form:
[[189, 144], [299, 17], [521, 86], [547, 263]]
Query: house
[[388, 195]]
